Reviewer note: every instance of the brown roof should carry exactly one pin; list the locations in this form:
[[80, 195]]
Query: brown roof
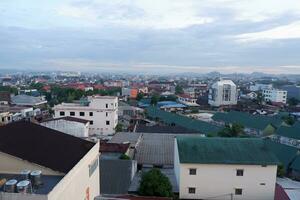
[[43, 146], [72, 119], [5, 96], [113, 147]]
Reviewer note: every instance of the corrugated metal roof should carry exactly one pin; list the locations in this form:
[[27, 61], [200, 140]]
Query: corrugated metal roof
[[250, 121], [186, 122], [289, 132], [248, 151]]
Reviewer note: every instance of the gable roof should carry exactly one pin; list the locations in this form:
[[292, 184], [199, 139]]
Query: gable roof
[[202, 150], [284, 153], [248, 120], [43, 146], [24, 99], [290, 132], [186, 122]]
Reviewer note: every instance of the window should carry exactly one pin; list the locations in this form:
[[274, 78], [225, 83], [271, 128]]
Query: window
[[238, 191], [240, 172], [106, 105], [91, 122], [192, 190], [91, 114], [262, 184], [106, 114], [62, 113], [193, 171], [72, 113], [81, 114], [107, 123]]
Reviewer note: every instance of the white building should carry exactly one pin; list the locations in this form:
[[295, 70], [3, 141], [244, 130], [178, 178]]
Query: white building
[[224, 168], [44, 164], [259, 87], [275, 96], [70, 125], [222, 93], [187, 100], [101, 111]]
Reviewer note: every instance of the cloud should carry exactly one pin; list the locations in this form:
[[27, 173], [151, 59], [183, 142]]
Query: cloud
[[290, 31]]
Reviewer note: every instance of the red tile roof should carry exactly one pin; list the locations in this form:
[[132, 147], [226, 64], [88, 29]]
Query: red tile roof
[[280, 194]]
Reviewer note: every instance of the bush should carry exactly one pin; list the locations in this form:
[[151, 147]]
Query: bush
[[154, 183], [124, 157]]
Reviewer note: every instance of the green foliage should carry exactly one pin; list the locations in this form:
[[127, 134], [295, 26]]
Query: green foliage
[[280, 170], [293, 101], [11, 90], [178, 89], [38, 86], [119, 128], [234, 130], [289, 120], [124, 157], [154, 183], [154, 99], [168, 98], [139, 96]]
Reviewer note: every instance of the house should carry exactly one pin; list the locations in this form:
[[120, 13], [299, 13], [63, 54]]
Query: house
[[5, 118], [5, 98], [223, 93], [43, 164], [101, 111], [69, 125], [224, 168]]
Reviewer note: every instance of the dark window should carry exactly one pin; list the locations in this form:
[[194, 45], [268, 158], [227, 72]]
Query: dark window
[[91, 114], [240, 172], [193, 171], [81, 114], [106, 114], [106, 105], [238, 191], [262, 183], [62, 113], [192, 190], [91, 122], [72, 113], [107, 122]]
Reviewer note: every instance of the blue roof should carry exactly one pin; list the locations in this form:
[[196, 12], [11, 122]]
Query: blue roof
[[170, 104]]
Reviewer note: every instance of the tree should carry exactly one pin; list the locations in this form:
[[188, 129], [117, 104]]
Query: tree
[[280, 170], [119, 128], [289, 120], [139, 96], [234, 130], [293, 101], [124, 157], [154, 183], [178, 89], [154, 99]]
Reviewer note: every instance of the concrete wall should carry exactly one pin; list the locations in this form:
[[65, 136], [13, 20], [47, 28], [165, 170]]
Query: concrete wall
[[11, 165], [72, 128], [101, 114], [19, 196], [78, 184], [216, 94], [213, 180]]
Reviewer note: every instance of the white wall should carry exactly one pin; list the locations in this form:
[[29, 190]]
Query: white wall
[[101, 114], [214, 180], [215, 97], [76, 129], [75, 184], [279, 96]]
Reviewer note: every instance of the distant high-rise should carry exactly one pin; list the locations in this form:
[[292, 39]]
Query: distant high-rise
[[223, 92]]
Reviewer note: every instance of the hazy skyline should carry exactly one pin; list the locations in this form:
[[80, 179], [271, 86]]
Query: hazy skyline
[[151, 35]]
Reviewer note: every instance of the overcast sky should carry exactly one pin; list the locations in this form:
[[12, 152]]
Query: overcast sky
[[151, 35]]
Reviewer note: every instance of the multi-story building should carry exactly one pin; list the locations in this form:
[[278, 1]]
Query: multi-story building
[[259, 87], [224, 168], [222, 93], [101, 111], [38, 163], [275, 96]]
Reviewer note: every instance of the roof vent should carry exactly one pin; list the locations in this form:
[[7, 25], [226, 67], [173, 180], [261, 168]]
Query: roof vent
[[36, 178], [25, 174], [10, 186], [24, 187]]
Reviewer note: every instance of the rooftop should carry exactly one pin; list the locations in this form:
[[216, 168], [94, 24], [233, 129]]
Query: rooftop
[[113, 147], [72, 119], [23, 99], [49, 182], [289, 132], [43, 146], [246, 151]]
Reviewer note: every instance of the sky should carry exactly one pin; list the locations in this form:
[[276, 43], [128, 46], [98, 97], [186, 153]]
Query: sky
[[159, 36]]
